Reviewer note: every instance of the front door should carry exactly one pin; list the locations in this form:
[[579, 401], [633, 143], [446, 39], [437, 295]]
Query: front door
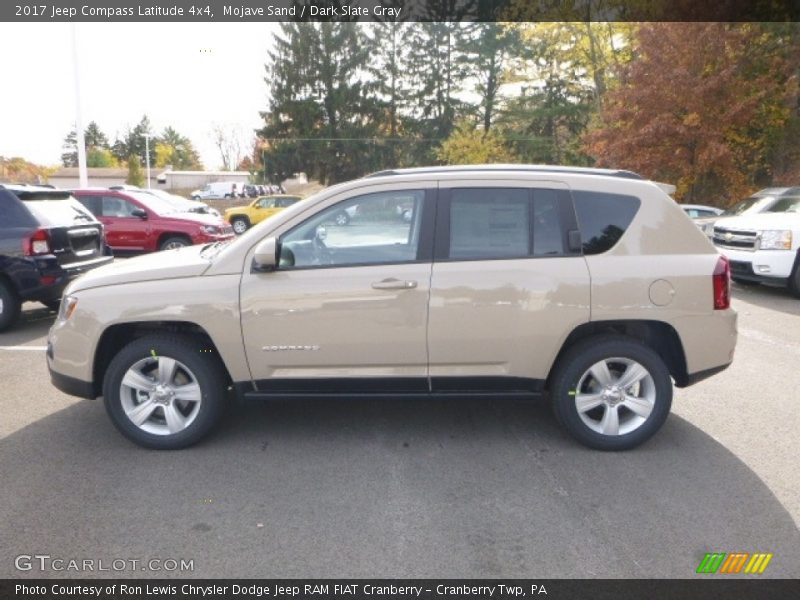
[[346, 309]]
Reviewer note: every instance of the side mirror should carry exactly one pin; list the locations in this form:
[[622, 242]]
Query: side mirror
[[139, 212], [266, 255]]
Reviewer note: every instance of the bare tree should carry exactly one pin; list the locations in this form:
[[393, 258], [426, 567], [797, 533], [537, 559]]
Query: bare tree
[[229, 141]]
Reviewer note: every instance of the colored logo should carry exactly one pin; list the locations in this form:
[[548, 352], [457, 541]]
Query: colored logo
[[734, 562]]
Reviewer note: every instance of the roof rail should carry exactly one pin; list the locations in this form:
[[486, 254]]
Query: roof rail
[[521, 168]]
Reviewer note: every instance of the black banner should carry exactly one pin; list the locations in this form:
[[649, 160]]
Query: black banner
[[398, 589], [396, 10]]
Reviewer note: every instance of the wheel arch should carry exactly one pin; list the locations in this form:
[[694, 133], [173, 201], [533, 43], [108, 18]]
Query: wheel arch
[[168, 234], [657, 335], [117, 336]]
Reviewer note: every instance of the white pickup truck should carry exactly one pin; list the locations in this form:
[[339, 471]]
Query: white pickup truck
[[764, 247]]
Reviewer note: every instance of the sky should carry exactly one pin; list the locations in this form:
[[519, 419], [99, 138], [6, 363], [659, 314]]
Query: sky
[[191, 76]]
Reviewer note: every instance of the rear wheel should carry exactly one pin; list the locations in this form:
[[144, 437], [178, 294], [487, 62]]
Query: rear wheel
[[611, 392], [240, 225], [9, 305], [164, 392], [173, 242]]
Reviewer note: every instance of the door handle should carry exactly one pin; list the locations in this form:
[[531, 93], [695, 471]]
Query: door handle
[[394, 284]]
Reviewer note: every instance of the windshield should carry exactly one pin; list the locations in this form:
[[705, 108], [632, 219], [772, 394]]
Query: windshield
[[56, 208], [753, 204], [153, 203], [787, 205]]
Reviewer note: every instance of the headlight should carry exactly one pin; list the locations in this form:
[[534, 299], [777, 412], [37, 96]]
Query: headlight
[[67, 307], [210, 229], [775, 239]]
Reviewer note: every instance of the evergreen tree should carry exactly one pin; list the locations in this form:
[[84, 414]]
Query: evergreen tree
[[321, 118], [134, 143], [96, 145]]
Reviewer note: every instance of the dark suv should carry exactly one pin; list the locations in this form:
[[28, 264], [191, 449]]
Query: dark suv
[[47, 238]]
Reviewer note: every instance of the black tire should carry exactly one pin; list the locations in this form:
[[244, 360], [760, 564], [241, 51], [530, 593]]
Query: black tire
[[577, 361], [175, 241], [206, 370], [794, 279], [242, 222], [52, 304], [9, 305]]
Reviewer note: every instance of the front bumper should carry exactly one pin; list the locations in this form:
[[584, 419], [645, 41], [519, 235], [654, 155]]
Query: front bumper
[[764, 266], [69, 385]]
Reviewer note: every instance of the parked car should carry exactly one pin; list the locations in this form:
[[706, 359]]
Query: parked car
[[217, 189], [242, 218], [46, 240], [700, 211], [513, 281], [759, 202], [764, 247], [137, 221]]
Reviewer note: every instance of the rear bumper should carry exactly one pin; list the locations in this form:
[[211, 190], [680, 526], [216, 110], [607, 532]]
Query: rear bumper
[[47, 280]]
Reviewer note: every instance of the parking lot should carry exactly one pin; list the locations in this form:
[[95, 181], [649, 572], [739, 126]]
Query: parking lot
[[418, 488]]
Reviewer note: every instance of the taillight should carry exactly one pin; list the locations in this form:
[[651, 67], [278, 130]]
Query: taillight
[[722, 284], [37, 243]]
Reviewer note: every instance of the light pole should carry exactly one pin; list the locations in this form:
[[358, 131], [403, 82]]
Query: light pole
[[82, 174], [147, 156]]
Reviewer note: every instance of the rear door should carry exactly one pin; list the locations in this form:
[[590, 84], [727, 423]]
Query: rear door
[[506, 287], [124, 231]]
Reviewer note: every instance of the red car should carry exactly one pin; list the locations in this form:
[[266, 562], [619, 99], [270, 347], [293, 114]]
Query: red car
[[140, 221]]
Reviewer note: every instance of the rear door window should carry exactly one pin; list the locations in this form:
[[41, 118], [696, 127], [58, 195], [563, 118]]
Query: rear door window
[[489, 223], [603, 218]]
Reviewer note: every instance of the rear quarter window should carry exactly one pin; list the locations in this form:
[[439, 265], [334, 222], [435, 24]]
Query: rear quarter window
[[603, 218], [13, 213]]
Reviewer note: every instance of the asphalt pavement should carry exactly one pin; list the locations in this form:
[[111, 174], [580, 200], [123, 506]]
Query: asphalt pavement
[[418, 488]]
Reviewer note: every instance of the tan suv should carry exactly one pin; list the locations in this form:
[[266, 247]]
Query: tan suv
[[591, 286]]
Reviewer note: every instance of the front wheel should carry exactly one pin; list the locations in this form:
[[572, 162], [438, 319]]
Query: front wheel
[[611, 392], [174, 242], [164, 392], [794, 280], [240, 225]]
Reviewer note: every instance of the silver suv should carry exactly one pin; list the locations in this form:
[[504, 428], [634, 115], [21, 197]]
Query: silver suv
[[590, 286]]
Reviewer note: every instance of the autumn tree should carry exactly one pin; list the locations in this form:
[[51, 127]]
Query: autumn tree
[[701, 107], [19, 170], [172, 148], [470, 145], [135, 175]]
